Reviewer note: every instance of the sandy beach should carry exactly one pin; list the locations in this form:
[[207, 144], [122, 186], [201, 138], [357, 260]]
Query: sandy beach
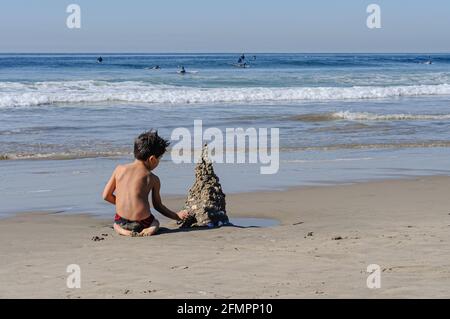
[[326, 238]]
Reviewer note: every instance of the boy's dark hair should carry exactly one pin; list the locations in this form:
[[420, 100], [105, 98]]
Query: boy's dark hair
[[148, 144]]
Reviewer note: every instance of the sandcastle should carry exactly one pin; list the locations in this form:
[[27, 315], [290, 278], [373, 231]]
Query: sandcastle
[[206, 200]]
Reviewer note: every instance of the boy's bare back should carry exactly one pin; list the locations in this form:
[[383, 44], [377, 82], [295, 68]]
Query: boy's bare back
[[133, 185]]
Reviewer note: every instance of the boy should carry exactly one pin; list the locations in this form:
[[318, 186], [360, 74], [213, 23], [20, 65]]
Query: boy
[[130, 185]]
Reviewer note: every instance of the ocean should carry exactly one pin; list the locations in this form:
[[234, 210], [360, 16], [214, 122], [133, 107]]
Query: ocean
[[66, 120]]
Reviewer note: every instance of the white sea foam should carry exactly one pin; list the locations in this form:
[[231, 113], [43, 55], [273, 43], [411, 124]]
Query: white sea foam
[[89, 91], [328, 160], [364, 116]]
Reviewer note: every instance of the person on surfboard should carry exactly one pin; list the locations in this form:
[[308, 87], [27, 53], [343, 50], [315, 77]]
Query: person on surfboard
[[241, 59]]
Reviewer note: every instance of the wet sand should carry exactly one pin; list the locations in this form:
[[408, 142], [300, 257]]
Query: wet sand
[[326, 239]]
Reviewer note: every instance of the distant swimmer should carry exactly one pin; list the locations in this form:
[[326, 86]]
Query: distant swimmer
[[156, 67], [99, 59], [183, 71]]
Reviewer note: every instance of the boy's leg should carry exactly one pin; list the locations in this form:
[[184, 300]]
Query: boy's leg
[[122, 231], [154, 227]]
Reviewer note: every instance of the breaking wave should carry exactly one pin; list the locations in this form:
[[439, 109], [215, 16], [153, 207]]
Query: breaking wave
[[365, 116], [13, 94]]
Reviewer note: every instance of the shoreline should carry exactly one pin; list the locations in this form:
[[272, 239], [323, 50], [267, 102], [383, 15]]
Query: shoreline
[[176, 201], [326, 238]]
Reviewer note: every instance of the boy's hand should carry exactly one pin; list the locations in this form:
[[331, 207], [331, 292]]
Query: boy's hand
[[183, 214]]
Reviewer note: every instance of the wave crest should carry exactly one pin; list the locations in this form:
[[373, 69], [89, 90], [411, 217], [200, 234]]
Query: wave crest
[[365, 116], [46, 93]]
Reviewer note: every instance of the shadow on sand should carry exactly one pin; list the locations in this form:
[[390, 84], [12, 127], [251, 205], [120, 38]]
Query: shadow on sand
[[165, 230]]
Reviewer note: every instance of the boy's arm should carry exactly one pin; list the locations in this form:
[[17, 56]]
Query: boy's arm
[[108, 192], [158, 205]]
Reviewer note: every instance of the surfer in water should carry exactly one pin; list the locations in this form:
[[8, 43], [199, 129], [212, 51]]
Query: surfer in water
[[99, 59], [241, 62], [429, 61], [241, 59], [156, 67], [182, 70]]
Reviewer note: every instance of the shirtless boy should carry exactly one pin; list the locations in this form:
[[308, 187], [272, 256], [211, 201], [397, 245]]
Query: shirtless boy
[[130, 185]]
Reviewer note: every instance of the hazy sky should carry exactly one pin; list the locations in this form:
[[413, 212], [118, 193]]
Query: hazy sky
[[224, 26]]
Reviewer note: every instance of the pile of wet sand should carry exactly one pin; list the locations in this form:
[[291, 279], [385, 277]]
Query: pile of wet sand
[[206, 200]]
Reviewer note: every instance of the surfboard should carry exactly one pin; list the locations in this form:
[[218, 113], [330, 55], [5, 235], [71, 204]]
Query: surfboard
[[187, 72], [241, 65]]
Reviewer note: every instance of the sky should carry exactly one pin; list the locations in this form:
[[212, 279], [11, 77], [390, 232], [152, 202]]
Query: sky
[[224, 26]]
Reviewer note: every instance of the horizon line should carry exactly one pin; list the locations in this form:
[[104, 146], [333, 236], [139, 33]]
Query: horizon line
[[228, 52]]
